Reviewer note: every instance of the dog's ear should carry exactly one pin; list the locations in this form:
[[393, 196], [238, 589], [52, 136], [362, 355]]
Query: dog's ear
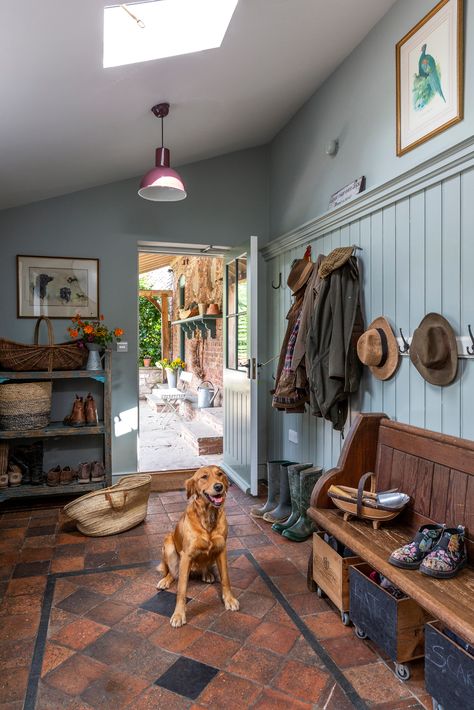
[[225, 480], [190, 487]]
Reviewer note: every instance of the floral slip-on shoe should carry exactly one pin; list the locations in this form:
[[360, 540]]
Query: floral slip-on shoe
[[411, 555], [448, 556]]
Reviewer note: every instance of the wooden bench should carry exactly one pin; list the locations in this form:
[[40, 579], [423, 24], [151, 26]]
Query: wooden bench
[[437, 471]]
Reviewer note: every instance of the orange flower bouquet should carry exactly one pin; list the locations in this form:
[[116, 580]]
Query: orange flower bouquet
[[89, 332]]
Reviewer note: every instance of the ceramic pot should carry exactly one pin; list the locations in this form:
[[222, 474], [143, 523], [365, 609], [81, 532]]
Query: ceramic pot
[[202, 308], [213, 309], [146, 361], [93, 361], [172, 377]]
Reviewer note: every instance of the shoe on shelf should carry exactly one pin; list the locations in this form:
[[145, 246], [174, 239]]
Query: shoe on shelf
[[3, 480], [97, 472], [66, 476], [53, 477], [410, 556], [448, 556], [90, 410], [84, 473], [77, 417], [14, 475], [30, 458]]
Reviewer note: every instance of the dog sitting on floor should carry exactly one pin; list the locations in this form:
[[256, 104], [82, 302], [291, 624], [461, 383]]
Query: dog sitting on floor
[[198, 541]]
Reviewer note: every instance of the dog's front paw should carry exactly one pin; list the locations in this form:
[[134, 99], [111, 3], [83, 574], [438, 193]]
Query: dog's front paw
[[165, 583], [231, 603], [178, 619]]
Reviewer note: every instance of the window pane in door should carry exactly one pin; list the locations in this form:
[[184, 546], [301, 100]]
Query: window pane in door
[[242, 340], [241, 285], [231, 343], [231, 287]]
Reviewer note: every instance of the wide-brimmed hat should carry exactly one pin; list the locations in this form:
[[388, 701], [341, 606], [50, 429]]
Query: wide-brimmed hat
[[334, 260], [378, 349], [433, 350], [300, 272]]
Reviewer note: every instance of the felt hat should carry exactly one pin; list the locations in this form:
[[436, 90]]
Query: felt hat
[[378, 349], [300, 272], [433, 350], [335, 260]]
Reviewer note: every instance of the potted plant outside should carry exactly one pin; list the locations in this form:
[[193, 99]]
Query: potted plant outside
[[146, 361], [172, 368]]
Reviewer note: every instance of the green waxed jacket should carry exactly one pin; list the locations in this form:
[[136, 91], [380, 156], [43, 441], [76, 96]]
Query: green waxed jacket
[[336, 325]]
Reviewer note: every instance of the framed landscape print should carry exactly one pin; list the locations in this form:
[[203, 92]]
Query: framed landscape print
[[429, 61], [57, 287]]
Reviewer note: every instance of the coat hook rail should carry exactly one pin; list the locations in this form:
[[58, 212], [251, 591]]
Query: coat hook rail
[[279, 283], [406, 344], [470, 349]]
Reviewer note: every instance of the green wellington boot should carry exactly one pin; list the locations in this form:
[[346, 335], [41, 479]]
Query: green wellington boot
[[283, 509], [304, 526], [294, 481], [273, 480]]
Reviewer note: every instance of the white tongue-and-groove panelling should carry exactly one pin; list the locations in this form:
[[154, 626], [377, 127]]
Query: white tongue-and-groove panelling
[[417, 239]]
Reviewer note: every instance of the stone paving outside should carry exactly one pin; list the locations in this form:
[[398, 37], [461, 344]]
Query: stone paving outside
[[104, 640], [164, 449]]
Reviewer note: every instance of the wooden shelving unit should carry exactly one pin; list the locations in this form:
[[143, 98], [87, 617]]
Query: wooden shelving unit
[[57, 430]]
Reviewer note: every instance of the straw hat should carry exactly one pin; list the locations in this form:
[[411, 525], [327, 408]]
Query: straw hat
[[378, 349], [335, 260], [433, 350], [300, 272]]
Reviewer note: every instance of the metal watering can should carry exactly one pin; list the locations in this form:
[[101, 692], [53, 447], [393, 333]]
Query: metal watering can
[[206, 394]]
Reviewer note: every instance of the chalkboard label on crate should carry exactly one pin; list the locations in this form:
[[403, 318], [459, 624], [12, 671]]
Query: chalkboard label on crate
[[449, 671], [374, 611]]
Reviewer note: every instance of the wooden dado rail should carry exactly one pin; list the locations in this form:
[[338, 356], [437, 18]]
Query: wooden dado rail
[[437, 471]]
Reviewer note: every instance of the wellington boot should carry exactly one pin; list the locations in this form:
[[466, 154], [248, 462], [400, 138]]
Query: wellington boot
[[77, 417], [304, 526], [30, 458], [295, 493], [283, 510], [90, 411], [273, 479]]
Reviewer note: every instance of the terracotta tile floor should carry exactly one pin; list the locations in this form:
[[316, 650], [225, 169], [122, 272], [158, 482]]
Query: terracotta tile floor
[[82, 625]]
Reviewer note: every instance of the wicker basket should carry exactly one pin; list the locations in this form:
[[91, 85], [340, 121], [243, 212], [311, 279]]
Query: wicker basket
[[112, 510], [25, 405], [17, 357]]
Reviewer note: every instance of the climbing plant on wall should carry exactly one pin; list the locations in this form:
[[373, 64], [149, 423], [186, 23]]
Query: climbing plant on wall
[[149, 328]]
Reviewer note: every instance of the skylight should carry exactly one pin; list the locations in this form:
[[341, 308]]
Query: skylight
[[153, 29]]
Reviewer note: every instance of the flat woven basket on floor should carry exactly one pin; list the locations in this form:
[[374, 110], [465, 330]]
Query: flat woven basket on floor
[[25, 405], [18, 357], [112, 510]]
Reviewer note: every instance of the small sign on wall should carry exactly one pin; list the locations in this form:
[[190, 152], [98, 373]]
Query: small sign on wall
[[347, 192]]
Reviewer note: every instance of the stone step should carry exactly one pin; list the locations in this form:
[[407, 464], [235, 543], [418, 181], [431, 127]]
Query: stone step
[[213, 417], [203, 438]]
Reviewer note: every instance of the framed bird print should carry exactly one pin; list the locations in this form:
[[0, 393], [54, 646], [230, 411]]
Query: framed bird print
[[57, 287], [429, 61]]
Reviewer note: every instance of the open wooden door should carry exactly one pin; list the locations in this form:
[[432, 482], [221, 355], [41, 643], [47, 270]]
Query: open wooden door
[[240, 459]]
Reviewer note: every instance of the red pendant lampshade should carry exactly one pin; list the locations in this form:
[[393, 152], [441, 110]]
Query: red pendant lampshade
[[162, 183]]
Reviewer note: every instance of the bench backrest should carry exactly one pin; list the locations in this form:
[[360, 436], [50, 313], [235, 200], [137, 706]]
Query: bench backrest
[[436, 470]]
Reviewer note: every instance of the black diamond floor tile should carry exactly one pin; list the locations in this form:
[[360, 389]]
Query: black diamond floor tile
[[162, 603], [187, 677]]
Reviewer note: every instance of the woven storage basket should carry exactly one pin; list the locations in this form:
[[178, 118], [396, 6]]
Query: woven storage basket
[[17, 357], [112, 510], [25, 405]]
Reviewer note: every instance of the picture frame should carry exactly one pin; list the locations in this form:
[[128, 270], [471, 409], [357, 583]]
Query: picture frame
[[57, 287], [430, 76]]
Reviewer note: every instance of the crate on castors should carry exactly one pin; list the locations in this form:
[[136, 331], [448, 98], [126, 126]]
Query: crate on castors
[[449, 670]]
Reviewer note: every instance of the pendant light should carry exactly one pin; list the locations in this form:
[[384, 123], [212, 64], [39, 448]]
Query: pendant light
[[162, 183]]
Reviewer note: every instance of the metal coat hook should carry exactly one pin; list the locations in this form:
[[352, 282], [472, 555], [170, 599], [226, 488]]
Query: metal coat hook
[[279, 282], [406, 344], [470, 350]]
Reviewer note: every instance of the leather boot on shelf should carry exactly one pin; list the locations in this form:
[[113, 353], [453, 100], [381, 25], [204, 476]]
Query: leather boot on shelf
[[304, 526], [84, 473], [54, 476], [273, 481], [4, 448], [295, 494], [283, 510], [14, 475], [30, 456], [90, 411], [97, 472], [66, 477], [77, 416]]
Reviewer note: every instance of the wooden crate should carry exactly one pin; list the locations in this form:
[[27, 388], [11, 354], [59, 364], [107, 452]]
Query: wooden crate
[[331, 573], [449, 670], [395, 625]]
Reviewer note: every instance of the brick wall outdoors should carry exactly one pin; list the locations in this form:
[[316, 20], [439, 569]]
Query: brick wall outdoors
[[203, 284]]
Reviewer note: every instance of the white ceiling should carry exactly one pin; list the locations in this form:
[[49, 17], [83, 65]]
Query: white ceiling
[[67, 124]]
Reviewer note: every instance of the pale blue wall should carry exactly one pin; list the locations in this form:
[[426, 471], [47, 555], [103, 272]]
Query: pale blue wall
[[357, 105], [228, 201], [417, 250]]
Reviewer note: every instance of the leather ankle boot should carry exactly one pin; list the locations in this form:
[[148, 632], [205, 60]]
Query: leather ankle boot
[[77, 416], [97, 472], [295, 493], [84, 473], [30, 458], [304, 526], [283, 510], [273, 481], [90, 411]]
